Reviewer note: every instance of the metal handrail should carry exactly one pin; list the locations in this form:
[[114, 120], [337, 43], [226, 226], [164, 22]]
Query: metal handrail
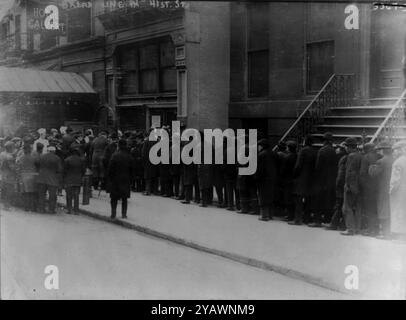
[[383, 124]]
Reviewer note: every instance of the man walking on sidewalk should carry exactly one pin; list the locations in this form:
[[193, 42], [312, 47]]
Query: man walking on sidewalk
[[120, 175]]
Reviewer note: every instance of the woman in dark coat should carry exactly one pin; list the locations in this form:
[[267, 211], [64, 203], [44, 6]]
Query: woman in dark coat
[[119, 176]]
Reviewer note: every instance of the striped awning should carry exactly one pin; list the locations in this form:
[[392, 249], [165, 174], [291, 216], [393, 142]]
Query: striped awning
[[32, 80]]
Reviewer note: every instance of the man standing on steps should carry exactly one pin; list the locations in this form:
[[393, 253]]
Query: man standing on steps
[[352, 196], [120, 175], [326, 173], [304, 182]]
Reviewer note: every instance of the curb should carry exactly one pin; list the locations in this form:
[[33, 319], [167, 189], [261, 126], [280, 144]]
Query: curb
[[231, 256]]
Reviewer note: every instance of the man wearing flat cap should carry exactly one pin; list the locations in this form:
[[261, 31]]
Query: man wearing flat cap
[[382, 171], [352, 191], [397, 190]]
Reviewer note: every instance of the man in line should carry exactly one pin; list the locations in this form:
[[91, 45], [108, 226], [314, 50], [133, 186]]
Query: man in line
[[352, 196], [50, 172], [326, 173]]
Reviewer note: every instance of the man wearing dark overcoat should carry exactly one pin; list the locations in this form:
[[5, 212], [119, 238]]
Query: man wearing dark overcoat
[[151, 171], [288, 180], [119, 178], [74, 170], [50, 172], [304, 181], [382, 170], [98, 146], [352, 193], [267, 179], [369, 189], [325, 176]]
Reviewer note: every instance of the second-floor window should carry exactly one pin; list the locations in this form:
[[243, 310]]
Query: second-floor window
[[148, 68], [258, 50]]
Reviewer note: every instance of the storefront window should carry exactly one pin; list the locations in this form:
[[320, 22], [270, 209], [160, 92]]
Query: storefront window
[[148, 68]]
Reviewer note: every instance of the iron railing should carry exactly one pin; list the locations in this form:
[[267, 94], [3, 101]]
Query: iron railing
[[337, 92], [391, 128]]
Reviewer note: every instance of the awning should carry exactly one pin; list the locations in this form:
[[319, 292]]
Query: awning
[[32, 80]]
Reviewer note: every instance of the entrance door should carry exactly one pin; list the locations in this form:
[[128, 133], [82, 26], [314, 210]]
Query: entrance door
[[161, 117], [387, 51]]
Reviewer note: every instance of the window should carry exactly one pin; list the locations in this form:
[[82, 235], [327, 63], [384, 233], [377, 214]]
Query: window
[[258, 50], [148, 68], [320, 64], [79, 23]]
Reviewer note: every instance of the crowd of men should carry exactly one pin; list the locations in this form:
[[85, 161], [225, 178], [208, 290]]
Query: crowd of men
[[355, 187]]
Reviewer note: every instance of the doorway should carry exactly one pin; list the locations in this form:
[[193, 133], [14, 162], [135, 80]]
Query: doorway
[[387, 52]]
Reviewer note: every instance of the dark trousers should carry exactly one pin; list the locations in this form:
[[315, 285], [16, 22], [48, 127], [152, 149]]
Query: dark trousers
[[325, 206], [189, 192], [114, 202], [249, 200], [150, 185], [337, 220], [30, 201], [72, 195], [42, 191], [220, 194], [167, 187], [303, 205], [176, 182], [230, 191], [206, 196], [352, 211], [139, 184]]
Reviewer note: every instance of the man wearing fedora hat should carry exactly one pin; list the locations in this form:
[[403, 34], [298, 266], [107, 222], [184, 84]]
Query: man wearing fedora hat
[[382, 171]]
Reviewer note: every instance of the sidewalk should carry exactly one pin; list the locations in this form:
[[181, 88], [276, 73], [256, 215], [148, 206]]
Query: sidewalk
[[314, 255]]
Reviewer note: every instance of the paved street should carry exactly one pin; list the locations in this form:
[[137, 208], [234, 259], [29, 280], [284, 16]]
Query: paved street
[[97, 260]]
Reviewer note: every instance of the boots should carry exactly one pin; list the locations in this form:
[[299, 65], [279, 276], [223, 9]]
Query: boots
[[124, 208]]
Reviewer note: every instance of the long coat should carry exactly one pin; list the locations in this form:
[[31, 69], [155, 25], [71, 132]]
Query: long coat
[[120, 174], [7, 168], [352, 173], [340, 180], [304, 171], [398, 195], [150, 170], [382, 172], [369, 183], [97, 150], [27, 172], [50, 169], [74, 170], [267, 176], [326, 168], [205, 175]]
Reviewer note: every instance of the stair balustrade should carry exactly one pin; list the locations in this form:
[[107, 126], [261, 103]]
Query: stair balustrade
[[337, 92]]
